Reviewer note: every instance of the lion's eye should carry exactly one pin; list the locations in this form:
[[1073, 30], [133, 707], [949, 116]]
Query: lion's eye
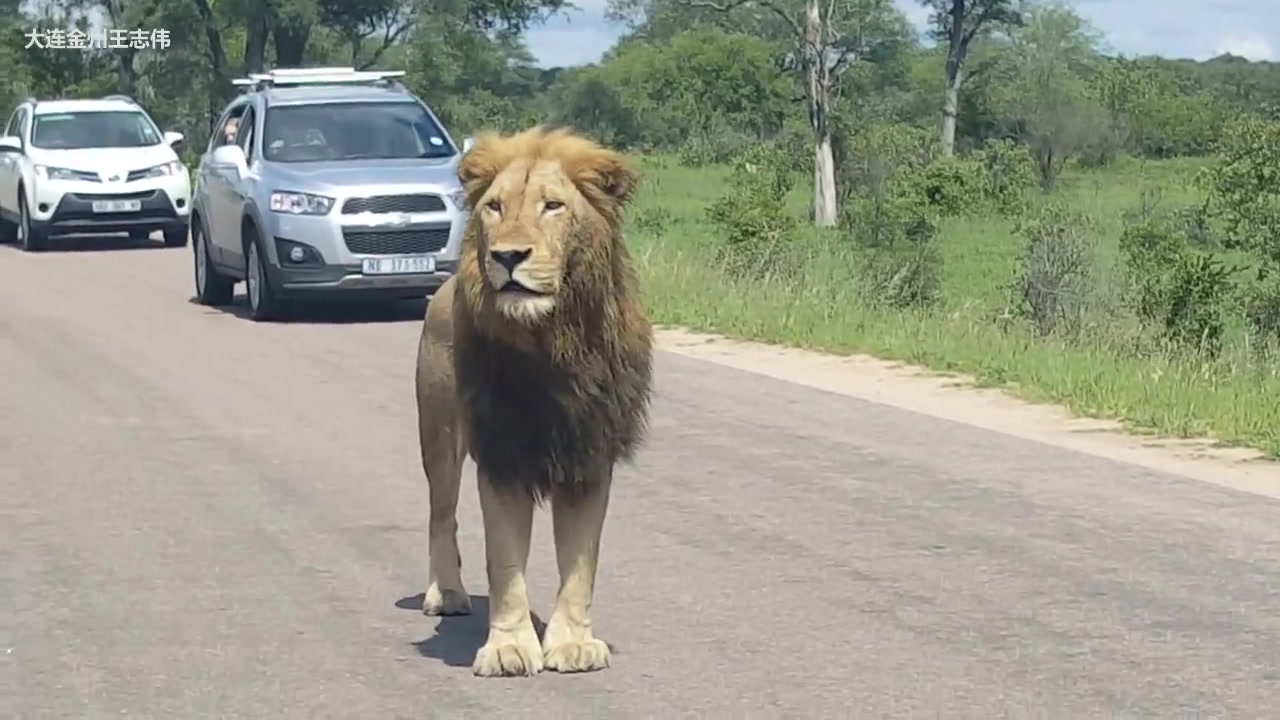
[[494, 205], [550, 205]]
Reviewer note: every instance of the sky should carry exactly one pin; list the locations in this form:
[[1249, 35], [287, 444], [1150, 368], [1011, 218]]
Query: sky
[[1188, 29]]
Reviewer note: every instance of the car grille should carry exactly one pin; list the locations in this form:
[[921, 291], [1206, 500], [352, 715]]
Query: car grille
[[393, 204], [396, 242], [144, 195], [135, 175]]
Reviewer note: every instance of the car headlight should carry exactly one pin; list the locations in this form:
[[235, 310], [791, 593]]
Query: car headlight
[[56, 173], [296, 203], [165, 170], [458, 198]]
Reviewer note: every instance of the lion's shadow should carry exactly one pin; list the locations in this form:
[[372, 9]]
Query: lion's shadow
[[458, 637]]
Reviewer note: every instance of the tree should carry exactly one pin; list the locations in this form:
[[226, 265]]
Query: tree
[[826, 40], [958, 23], [1044, 93]]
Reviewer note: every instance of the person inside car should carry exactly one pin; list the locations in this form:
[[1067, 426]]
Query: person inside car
[[229, 131]]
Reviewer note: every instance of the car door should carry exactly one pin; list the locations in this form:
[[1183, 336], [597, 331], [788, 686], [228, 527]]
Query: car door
[[222, 229], [236, 189], [10, 167]]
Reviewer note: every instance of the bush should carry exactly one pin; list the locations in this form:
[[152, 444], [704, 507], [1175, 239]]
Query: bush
[[1261, 301], [875, 157], [952, 186], [715, 148], [1181, 291], [895, 239], [1244, 184], [1008, 171], [654, 220], [1054, 285], [752, 214]]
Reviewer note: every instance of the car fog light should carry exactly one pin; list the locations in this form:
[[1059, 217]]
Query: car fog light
[[297, 254]]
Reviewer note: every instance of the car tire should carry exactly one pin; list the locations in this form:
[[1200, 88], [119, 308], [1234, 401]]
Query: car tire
[[264, 305], [176, 237], [212, 287], [33, 240]]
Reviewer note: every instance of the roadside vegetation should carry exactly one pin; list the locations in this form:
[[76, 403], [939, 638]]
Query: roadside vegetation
[[1004, 201]]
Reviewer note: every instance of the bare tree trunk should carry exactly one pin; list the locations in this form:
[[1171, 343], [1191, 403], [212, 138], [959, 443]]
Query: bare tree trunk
[[953, 70], [825, 210], [219, 88], [950, 111], [291, 43], [255, 44]]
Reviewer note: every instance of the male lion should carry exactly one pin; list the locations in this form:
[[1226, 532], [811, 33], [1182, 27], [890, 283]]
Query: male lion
[[535, 359]]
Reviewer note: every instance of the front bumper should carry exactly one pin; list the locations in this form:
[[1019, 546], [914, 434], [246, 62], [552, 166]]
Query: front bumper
[[304, 282], [336, 245], [67, 206]]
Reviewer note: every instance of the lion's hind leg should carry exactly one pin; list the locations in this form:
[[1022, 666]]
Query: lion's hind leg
[[569, 645], [443, 452], [512, 646]]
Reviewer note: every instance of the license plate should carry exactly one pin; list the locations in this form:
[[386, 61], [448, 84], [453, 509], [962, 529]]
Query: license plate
[[399, 265], [116, 206]]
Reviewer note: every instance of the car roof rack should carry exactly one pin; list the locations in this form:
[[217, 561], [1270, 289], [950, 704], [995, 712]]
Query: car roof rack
[[296, 77]]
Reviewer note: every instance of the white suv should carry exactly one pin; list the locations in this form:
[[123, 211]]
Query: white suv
[[90, 166]]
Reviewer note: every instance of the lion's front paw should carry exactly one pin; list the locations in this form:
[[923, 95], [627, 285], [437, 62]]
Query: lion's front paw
[[578, 656], [509, 656], [445, 602]]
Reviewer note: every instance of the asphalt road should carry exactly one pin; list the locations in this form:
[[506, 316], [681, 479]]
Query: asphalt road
[[207, 517]]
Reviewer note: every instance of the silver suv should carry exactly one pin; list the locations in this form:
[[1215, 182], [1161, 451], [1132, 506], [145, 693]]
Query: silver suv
[[325, 181]]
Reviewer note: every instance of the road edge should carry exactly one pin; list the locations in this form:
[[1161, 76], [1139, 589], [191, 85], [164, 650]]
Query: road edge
[[956, 398]]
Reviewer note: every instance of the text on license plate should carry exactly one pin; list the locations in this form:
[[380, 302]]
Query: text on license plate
[[399, 265], [115, 206]]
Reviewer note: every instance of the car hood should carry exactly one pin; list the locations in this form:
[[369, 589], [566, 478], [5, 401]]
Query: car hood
[[343, 174], [104, 160]]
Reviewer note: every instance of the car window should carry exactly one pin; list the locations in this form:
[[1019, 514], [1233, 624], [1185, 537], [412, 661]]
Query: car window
[[15, 123], [353, 131], [245, 137], [108, 128], [228, 128]]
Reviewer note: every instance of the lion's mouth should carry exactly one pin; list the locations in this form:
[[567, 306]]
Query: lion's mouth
[[514, 288]]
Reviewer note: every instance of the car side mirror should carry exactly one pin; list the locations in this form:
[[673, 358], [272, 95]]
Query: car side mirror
[[10, 144], [230, 156], [468, 143], [174, 140]]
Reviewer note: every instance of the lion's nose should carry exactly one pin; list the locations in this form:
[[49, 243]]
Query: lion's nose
[[509, 259]]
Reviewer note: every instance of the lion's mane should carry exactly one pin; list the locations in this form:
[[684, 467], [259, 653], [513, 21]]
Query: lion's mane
[[557, 403]]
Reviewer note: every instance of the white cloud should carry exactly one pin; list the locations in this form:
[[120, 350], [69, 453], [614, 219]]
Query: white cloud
[[1194, 29], [1250, 46]]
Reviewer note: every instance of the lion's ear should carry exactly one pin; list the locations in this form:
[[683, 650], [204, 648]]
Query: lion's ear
[[480, 165], [607, 172]]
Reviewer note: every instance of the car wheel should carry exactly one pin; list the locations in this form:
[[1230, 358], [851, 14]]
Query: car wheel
[[32, 240], [212, 287], [176, 237], [263, 304]]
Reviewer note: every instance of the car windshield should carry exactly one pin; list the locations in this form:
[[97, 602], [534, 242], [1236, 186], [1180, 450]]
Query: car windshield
[[80, 130], [352, 131]]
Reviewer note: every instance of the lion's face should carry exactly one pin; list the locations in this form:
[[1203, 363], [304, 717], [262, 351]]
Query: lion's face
[[527, 223], [538, 200]]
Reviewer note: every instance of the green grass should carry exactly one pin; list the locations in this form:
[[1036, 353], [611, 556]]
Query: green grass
[[1230, 399]]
